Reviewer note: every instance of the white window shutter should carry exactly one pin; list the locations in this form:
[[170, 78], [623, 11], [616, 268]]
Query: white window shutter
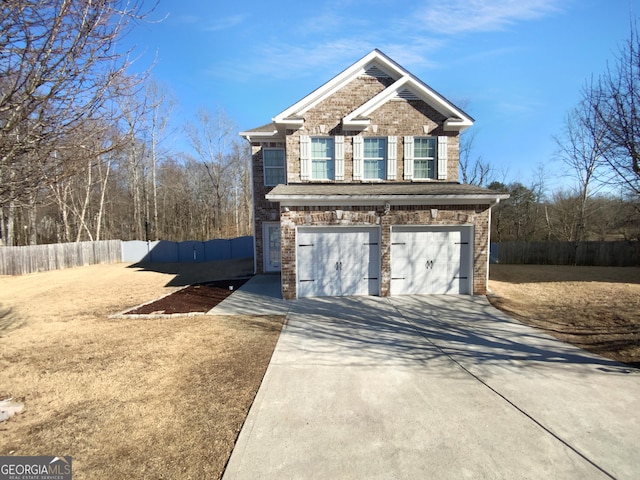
[[339, 156], [358, 157], [442, 158], [392, 157], [305, 157], [408, 158]]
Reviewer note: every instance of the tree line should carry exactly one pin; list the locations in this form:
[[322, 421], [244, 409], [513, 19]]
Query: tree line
[[84, 144], [86, 148], [599, 150]]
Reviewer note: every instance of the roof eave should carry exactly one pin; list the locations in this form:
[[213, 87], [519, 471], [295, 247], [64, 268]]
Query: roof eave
[[356, 123], [251, 136], [456, 124], [361, 200], [295, 121]]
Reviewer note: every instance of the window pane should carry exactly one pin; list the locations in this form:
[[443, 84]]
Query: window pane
[[374, 169], [322, 169], [273, 233], [273, 176], [374, 147], [322, 148], [322, 158], [375, 157], [274, 171], [424, 148], [424, 168], [273, 158]]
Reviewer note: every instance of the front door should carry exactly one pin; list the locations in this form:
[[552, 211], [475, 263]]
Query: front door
[[271, 242]]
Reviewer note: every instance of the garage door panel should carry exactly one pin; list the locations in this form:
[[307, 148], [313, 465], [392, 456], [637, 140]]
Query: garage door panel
[[340, 261], [310, 263], [360, 262], [430, 260]]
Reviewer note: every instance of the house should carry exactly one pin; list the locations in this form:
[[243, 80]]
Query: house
[[356, 190]]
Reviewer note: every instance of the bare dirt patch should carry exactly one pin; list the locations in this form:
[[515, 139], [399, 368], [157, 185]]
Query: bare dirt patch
[[594, 308], [127, 398], [198, 298]]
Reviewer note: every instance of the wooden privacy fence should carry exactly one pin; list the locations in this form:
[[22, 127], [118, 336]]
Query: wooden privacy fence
[[55, 256], [611, 254]]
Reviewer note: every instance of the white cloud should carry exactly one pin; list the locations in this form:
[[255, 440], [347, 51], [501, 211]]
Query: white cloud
[[459, 16], [325, 44], [201, 23], [188, 19], [413, 52], [224, 23], [282, 61]]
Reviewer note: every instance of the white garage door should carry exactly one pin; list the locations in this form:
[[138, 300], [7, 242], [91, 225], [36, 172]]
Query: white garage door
[[334, 261], [431, 260]]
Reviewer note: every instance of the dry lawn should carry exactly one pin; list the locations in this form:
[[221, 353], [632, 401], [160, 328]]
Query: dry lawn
[[127, 398], [595, 308]]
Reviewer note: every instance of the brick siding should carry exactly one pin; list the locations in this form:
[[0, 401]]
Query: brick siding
[[476, 215], [263, 210], [396, 117]]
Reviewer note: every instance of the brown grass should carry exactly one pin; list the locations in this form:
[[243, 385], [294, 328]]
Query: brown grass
[[595, 308], [127, 398]]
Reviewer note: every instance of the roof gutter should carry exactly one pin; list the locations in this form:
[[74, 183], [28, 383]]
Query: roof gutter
[[363, 200], [258, 135]]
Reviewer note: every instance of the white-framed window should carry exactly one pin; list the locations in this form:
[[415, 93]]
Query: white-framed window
[[424, 157], [274, 166], [374, 158], [322, 158]]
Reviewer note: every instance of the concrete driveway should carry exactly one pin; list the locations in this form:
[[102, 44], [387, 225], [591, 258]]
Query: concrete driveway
[[434, 387]]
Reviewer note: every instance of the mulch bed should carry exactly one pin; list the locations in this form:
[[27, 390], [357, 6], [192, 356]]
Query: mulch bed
[[200, 297]]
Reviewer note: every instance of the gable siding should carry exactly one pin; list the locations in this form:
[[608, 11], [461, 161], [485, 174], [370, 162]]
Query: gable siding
[[327, 117], [330, 111], [395, 118]]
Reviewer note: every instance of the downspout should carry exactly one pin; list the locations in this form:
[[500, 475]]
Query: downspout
[[253, 211], [491, 205]]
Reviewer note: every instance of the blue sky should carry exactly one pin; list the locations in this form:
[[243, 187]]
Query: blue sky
[[516, 66]]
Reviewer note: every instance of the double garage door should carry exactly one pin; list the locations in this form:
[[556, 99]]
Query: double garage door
[[340, 261]]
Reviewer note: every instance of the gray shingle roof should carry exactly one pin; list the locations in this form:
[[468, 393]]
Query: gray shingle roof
[[268, 128], [382, 189]]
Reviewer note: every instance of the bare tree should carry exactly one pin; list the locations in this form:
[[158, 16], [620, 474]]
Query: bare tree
[[58, 66], [160, 104], [615, 101], [212, 139], [474, 171], [580, 148]]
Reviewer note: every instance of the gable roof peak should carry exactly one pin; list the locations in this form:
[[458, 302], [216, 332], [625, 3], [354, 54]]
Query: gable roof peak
[[377, 64]]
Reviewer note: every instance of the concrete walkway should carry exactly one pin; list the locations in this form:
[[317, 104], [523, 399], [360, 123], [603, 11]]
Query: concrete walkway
[[434, 387], [261, 295]]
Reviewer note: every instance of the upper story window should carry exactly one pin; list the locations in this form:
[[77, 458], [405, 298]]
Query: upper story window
[[322, 158], [274, 166], [424, 157], [375, 158]]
